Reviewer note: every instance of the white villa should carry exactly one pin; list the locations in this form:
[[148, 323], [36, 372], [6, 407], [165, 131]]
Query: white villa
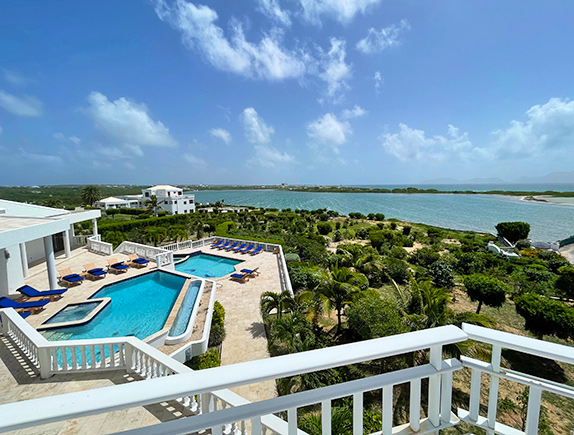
[[170, 198], [30, 234]]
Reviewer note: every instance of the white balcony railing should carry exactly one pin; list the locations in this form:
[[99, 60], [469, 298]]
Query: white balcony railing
[[162, 257], [95, 244], [219, 410]]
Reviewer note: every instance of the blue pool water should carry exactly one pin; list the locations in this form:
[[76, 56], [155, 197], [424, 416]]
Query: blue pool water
[[73, 312], [184, 313], [207, 266], [139, 307]]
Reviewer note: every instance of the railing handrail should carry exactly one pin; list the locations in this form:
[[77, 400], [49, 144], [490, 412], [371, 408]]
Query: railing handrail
[[520, 343]]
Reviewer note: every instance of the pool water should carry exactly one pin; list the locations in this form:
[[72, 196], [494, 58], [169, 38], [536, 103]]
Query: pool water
[[73, 312], [139, 307], [183, 316], [207, 266]]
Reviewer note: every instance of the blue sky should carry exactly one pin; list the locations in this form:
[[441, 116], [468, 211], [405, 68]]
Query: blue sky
[[295, 91]]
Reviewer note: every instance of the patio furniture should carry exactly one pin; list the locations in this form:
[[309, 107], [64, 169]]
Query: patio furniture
[[232, 246], [239, 248], [256, 251], [117, 266], [216, 244], [251, 272], [138, 262], [31, 292], [240, 277], [33, 307], [69, 278], [244, 250], [94, 272]]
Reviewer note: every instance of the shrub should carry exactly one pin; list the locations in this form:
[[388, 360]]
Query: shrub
[[324, 228], [442, 274], [355, 215], [406, 230], [513, 231], [424, 257], [208, 360], [565, 281], [291, 256], [217, 333], [485, 289], [397, 269], [362, 234], [545, 316], [372, 317], [398, 252]]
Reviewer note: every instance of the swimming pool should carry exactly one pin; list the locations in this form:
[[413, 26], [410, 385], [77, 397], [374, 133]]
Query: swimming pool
[[207, 266], [139, 307], [181, 327]]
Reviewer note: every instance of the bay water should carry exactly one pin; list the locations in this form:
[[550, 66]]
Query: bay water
[[476, 212]]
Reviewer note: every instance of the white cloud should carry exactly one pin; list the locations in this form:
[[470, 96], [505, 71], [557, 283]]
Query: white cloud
[[256, 130], [271, 9], [100, 165], [355, 112], [340, 10], [270, 157], [129, 165], [26, 106], [266, 59], [411, 144], [72, 139], [15, 78], [222, 134], [196, 161], [378, 40], [548, 128], [335, 72], [378, 81], [41, 158], [128, 123], [328, 130]]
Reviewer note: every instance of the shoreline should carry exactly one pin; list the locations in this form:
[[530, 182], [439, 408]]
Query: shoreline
[[548, 199]]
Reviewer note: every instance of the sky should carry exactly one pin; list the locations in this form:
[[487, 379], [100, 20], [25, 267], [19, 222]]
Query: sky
[[284, 91]]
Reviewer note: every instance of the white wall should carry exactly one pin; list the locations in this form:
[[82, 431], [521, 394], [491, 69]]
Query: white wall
[[14, 277], [35, 250]]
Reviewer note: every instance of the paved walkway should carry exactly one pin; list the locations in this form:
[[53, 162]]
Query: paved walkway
[[245, 334]]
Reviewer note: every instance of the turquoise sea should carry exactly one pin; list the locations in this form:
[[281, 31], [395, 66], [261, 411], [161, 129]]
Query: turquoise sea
[[477, 212]]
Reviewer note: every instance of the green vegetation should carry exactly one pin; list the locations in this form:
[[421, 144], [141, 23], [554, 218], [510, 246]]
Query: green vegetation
[[545, 316], [513, 231], [208, 360], [486, 290], [217, 333]]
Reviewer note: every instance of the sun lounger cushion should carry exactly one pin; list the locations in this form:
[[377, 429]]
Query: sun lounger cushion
[[72, 278], [97, 269], [25, 314], [97, 272], [9, 303], [249, 270], [31, 292], [140, 260], [119, 266]]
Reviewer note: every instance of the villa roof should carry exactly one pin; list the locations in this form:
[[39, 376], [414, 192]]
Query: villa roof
[[163, 187], [111, 199], [29, 210]]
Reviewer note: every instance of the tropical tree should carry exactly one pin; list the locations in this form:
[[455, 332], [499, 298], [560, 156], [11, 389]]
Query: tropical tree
[[178, 233], [91, 194], [276, 301], [156, 235], [154, 205], [339, 288], [485, 289], [513, 231]]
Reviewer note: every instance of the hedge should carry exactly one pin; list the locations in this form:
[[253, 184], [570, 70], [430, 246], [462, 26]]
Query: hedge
[[217, 332], [545, 316], [208, 360]]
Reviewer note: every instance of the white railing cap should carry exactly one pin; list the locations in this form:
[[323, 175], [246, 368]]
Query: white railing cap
[[520, 343]]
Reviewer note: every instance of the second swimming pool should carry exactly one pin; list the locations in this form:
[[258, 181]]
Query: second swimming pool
[[207, 266]]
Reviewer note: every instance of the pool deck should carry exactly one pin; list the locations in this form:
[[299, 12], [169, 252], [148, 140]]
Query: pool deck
[[245, 341]]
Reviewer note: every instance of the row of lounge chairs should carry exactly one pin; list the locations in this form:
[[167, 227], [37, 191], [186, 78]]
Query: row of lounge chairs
[[35, 300], [245, 274], [242, 248], [67, 277]]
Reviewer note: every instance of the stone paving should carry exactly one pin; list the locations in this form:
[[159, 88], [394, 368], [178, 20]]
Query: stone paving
[[245, 341]]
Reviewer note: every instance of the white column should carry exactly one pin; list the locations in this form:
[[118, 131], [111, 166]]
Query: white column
[[95, 226], [51, 263], [67, 249], [72, 230], [24, 259]]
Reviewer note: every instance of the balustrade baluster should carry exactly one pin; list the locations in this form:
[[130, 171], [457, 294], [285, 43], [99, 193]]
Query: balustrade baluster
[[415, 405], [292, 421], [387, 410], [474, 404], [533, 412], [326, 417], [493, 393], [358, 413]]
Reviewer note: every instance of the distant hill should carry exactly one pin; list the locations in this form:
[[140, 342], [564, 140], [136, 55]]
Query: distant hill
[[492, 180], [562, 177]]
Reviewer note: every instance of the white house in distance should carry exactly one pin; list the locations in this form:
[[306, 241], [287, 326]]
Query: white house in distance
[[170, 198], [30, 234]]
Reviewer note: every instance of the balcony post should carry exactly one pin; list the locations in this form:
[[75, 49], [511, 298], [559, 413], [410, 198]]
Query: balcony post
[[435, 360], [494, 380], [67, 248], [95, 227], [50, 263], [24, 260], [533, 413]]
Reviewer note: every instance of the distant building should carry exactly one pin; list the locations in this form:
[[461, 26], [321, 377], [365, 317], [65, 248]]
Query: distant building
[[113, 202], [171, 199]]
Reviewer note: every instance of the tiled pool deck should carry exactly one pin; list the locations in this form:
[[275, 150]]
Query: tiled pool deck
[[245, 341]]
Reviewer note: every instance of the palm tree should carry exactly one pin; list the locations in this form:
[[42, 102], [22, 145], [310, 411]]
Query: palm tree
[[276, 301], [91, 194], [156, 235], [339, 288], [154, 205]]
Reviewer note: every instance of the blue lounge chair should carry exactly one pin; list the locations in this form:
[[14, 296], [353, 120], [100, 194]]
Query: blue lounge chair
[[31, 292], [256, 251], [24, 314], [239, 248], [241, 277], [217, 244], [117, 266], [67, 277], [138, 262], [244, 250], [25, 306], [251, 272], [224, 246], [94, 272], [232, 246]]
